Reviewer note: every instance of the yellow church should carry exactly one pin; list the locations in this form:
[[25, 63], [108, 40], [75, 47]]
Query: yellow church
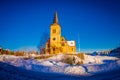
[[57, 43]]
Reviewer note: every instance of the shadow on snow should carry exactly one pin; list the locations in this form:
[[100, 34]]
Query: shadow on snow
[[9, 72]]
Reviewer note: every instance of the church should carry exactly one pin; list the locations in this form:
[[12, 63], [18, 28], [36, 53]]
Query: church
[[57, 43]]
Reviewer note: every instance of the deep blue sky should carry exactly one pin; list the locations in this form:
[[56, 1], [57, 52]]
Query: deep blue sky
[[22, 22]]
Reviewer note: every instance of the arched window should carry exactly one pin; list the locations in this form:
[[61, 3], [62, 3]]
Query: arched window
[[62, 44], [53, 49], [54, 39]]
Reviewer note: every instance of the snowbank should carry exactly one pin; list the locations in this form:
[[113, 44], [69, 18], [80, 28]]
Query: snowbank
[[92, 64]]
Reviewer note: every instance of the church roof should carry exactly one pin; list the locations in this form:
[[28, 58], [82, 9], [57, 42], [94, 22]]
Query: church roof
[[55, 20]]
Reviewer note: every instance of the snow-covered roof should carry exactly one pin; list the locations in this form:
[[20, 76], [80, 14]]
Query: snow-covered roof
[[71, 43]]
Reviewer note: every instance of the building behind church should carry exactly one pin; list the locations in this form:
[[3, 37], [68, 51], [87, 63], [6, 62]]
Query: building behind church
[[57, 43]]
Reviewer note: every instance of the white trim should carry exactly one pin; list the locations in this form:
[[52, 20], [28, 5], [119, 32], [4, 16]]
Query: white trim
[[71, 43]]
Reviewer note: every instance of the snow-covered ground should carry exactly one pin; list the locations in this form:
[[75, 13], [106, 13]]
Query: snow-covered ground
[[55, 65]]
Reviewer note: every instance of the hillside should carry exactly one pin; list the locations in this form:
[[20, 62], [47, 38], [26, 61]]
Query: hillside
[[57, 66]]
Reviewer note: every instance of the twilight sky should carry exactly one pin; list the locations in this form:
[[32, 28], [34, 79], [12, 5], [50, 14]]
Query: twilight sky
[[23, 22]]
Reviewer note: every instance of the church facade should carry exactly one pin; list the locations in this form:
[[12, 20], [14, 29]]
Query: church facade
[[57, 43]]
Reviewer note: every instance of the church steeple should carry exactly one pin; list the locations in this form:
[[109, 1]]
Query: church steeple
[[55, 20]]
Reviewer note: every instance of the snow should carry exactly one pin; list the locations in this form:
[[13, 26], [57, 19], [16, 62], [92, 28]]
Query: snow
[[71, 43], [75, 70], [55, 64]]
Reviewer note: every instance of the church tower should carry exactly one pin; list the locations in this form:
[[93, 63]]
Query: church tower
[[57, 43], [55, 34]]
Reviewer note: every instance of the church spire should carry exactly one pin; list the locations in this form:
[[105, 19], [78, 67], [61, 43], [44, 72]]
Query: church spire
[[55, 20]]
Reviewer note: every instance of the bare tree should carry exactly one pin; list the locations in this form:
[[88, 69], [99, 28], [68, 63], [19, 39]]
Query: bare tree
[[44, 38]]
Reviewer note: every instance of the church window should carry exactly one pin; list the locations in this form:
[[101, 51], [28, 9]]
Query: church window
[[54, 39], [62, 39], [53, 49], [72, 49], [63, 44], [54, 30]]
